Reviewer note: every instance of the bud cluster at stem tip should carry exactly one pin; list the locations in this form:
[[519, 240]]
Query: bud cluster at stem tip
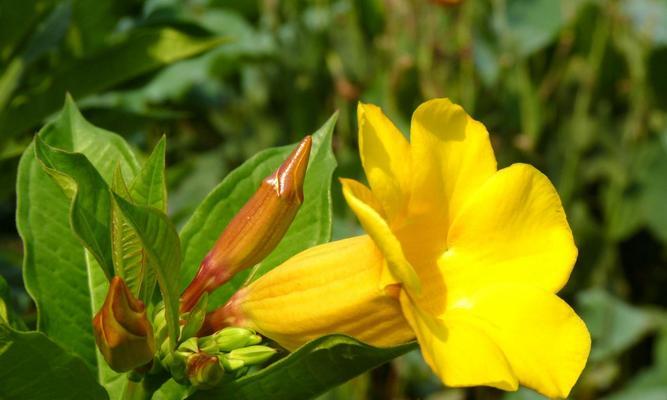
[[204, 362], [256, 229]]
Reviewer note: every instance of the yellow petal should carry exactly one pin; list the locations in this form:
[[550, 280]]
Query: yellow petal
[[513, 230], [544, 343], [378, 229], [385, 155], [451, 158], [459, 353], [331, 288]]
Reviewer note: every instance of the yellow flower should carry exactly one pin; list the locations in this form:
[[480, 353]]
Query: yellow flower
[[469, 255]]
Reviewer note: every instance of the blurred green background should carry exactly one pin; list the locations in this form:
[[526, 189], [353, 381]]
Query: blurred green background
[[577, 88]]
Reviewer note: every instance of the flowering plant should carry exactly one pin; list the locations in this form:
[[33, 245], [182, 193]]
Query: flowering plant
[[251, 300]]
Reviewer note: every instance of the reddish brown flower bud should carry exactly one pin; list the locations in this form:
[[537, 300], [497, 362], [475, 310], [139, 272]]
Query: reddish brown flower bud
[[256, 229], [204, 370], [122, 331]]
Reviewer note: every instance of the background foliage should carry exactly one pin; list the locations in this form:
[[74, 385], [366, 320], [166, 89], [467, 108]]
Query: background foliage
[[577, 88]]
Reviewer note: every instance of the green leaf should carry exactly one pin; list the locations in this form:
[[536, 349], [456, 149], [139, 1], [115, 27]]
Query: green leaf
[[34, 367], [148, 189], [614, 325], [311, 226], [90, 210], [130, 262], [66, 285], [311, 370], [532, 24], [139, 52], [160, 241], [47, 35], [17, 18]]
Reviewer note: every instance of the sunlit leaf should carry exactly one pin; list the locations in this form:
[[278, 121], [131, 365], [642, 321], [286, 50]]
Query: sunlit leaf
[[139, 52], [35, 368], [67, 287], [311, 370]]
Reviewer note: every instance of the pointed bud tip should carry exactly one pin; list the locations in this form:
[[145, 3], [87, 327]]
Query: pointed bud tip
[[290, 175]]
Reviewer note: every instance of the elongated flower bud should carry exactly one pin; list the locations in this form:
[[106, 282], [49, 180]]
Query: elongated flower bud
[[320, 291], [122, 331], [256, 229], [228, 339], [252, 355]]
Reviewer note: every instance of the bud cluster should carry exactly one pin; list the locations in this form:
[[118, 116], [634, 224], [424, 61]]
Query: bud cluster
[[204, 362]]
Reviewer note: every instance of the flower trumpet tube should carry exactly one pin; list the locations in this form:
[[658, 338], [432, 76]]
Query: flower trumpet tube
[[256, 229], [474, 255], [333, 288], [122, 331]]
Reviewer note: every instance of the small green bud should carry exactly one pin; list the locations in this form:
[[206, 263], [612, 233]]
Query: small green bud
[[230, 364], [252, 355], [204, 371], [228, 339]]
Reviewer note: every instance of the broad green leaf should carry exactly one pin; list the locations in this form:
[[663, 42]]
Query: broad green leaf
[[67, 289], [91, 205], [311, 226], [615, 325], [129, 259], [148, 189], [160, 242], [34, 367], [139, 52], [311, 370], [531, 24]]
